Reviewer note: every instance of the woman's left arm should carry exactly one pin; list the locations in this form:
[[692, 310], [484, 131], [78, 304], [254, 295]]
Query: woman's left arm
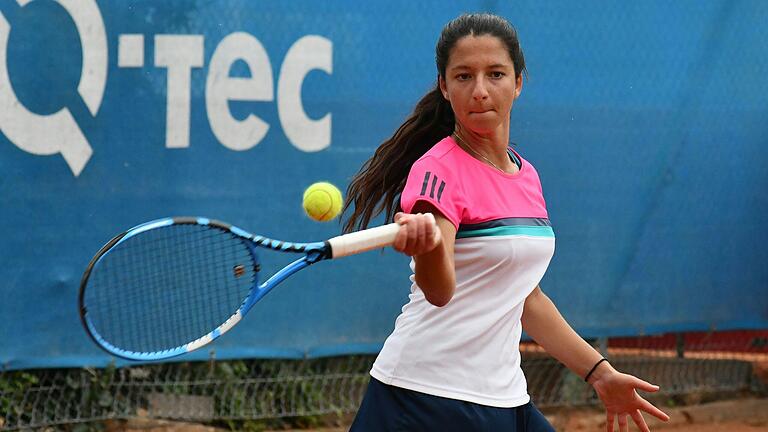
[[618, 391]]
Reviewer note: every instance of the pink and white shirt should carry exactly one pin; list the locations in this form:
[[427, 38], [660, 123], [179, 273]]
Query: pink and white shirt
[[469, 349]]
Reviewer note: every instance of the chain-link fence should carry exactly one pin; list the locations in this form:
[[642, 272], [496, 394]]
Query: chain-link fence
[[233, 391]]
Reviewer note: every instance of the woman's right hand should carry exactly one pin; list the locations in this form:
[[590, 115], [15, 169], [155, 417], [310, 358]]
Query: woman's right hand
[[418, 233]]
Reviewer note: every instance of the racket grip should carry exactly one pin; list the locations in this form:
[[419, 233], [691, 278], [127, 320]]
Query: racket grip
[[365, 240]]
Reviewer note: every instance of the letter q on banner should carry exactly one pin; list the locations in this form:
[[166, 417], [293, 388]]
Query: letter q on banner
[[58, 132]]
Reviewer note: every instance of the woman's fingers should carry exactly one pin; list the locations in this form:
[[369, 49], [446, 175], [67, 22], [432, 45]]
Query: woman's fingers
[[401, 239], [421, 235], [622, 400], [652, 410], [415, 234], [623, 426], [418, 233], [644, 385], [640, 421], [433, 234]]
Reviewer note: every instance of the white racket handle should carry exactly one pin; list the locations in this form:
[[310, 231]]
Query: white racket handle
[[365, 240]]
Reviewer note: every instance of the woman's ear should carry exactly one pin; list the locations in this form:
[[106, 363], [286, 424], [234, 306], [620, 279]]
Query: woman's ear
[[518, 85], [443, 87]]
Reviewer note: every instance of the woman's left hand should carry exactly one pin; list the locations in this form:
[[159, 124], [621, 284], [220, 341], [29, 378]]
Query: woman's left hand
[[618, 391]]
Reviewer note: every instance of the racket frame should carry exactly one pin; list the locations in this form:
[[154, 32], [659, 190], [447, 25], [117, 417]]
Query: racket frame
[[313, 252]]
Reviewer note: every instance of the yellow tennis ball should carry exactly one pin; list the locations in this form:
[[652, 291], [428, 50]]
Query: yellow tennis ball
[[322, 201]]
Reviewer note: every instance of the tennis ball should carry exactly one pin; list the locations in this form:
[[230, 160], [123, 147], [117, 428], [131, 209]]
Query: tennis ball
[[322, 201]]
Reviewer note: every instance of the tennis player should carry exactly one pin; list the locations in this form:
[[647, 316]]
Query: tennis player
[[452, 362]]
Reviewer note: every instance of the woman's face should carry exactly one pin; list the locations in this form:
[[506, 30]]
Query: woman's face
[[480, 83]]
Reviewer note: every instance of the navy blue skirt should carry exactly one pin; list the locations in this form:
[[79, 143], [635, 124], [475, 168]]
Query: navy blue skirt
[[388, 408]]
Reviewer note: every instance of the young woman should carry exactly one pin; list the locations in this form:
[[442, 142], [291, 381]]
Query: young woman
[[475, 223]]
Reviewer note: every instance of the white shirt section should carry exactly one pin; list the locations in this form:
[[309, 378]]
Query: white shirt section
[[469, 349]]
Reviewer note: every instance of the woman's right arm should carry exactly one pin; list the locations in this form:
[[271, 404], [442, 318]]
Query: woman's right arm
[[432, 250]]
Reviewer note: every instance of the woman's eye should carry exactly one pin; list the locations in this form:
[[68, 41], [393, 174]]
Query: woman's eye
[[462, 77], [497, 74]]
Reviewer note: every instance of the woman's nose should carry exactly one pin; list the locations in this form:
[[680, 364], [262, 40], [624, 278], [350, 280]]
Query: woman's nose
[[480, 91]]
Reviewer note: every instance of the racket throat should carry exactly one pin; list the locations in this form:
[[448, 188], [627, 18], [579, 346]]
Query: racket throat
[[318, 251], [278, 277]]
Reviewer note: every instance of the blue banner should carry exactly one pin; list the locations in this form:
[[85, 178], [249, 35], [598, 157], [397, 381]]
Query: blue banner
[[646, 121]]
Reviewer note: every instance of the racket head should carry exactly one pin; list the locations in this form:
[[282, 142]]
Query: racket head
[[168, 287]]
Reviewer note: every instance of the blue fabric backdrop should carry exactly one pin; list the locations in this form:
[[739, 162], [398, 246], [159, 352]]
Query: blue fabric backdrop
[[647, 121]]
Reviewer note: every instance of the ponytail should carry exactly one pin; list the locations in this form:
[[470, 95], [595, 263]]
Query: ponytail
[[381, 179]]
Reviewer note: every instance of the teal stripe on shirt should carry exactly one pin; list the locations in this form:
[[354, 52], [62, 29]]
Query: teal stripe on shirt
[[534, 231]]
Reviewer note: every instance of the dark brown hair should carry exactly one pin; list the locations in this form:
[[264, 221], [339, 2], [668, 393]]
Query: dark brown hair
[[381, 179]]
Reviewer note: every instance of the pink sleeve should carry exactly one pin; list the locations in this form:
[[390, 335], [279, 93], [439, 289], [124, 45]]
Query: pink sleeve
[[436, 184]]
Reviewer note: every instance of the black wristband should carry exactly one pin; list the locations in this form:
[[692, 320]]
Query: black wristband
[[589, 374]]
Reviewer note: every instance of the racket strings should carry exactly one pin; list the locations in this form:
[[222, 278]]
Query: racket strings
[[169, 286], [162, 275], [198, 277]]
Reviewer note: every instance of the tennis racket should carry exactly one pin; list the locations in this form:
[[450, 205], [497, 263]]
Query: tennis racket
[[171, 286]]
